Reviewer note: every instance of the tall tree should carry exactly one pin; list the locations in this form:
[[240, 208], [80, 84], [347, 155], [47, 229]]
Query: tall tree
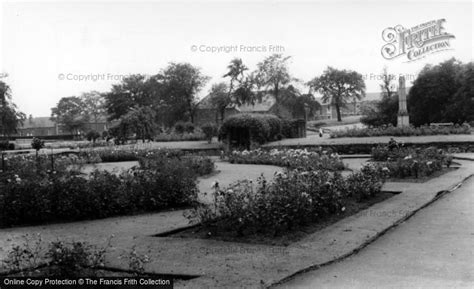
[[139, 121], [182, 82], [132, 91], [273, 76], [70, 112], [461, 108], [386, 109], [338, 87], [94, 105], [10, 117], [433, 92], [298, 103], [238, 91], [220, 99]]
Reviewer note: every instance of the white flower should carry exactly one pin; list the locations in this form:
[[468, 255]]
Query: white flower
[[408, 157], [343, 209], [429, 163]]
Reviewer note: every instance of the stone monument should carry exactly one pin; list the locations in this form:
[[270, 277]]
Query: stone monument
[[402, 119]]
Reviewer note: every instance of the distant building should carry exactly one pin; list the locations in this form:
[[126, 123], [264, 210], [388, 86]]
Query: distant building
[[44, 126], [328, 109], [207, 113]]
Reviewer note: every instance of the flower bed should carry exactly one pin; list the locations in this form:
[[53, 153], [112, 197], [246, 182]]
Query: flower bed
[[199, 165], [293, 199], [402, 131], [292, 158], [193, 136], [32, 193], [408, 162], [30, 166], [151, 159]]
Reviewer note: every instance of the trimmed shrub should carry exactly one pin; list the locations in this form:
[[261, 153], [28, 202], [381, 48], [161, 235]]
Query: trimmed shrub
[[262, 127], [181, 127], [210, 130], [286, 128], [189, 127], [37, 144], [92, 135]]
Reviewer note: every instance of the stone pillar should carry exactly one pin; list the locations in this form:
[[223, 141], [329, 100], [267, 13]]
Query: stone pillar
[[402, 119]]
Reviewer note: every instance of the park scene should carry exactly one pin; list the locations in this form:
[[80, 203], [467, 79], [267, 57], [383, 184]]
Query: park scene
[[248, 174]]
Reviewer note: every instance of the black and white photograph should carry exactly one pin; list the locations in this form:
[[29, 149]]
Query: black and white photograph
[[237, 144]]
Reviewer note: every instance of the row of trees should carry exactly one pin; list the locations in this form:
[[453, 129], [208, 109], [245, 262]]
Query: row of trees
[[74, 112], [172, 95], [441, 93], [140, 103]]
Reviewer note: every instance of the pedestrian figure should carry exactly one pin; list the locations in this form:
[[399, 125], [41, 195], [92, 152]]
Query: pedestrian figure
[[320, 132]]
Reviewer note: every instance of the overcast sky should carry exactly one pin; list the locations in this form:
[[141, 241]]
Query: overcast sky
[[43, 42]]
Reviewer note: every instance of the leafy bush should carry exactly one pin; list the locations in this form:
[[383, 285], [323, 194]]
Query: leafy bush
[[294, 198], [292, 158], [402, 131], [37, 144], [37, 258], [366, 183], [92, 135], [210, 130], [189, 127], [384, 112], [181, 127], [6, 145]]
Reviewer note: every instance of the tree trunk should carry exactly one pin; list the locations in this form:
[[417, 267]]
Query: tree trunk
[[277, 101], [338, 111], [222, 115]]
